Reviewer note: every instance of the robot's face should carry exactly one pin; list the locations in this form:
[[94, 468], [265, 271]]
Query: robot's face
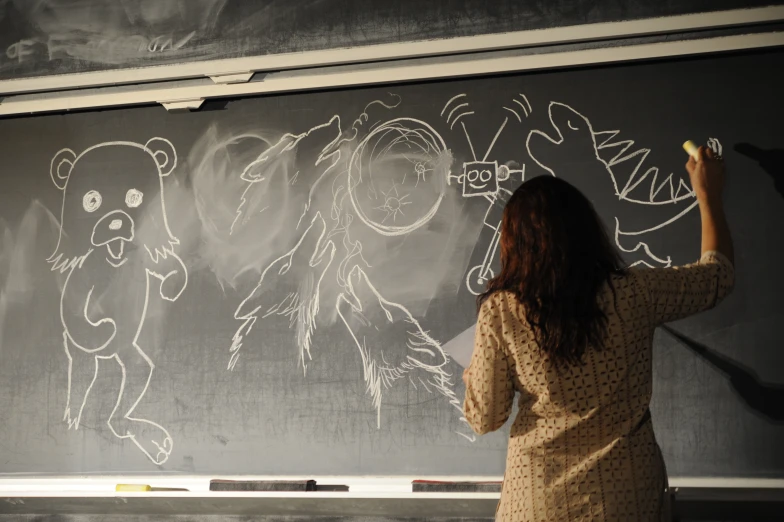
[[479, 178]]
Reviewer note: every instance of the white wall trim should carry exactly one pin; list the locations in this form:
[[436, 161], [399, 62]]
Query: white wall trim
[[233, 70], [303, 80]]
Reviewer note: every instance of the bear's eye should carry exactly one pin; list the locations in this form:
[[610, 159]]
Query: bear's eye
[[133, 198], [92, 201]]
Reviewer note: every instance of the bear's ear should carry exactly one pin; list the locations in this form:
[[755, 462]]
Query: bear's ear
[[61, 166], [164, 154]]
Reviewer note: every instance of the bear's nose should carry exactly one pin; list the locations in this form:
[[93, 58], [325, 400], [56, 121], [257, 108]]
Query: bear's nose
[[115, 224]]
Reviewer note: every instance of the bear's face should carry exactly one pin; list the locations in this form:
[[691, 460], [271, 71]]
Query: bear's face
[[108, 191]]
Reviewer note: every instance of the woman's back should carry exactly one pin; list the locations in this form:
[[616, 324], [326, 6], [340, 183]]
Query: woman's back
[[582, 445], [568, 329]]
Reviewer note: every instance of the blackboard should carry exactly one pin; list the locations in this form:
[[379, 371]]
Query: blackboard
[[52, 37], [315, 250]]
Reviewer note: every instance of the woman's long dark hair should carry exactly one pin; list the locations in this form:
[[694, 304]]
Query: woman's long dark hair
[[555, 257]]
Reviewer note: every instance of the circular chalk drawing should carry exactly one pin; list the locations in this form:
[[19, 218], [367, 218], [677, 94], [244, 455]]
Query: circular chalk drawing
[[133, 198], [398, 175], [92, 201]]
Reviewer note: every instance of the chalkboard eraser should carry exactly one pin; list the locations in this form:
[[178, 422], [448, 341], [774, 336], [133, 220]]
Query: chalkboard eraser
[[262, 485], [433, 486], [691, 149]]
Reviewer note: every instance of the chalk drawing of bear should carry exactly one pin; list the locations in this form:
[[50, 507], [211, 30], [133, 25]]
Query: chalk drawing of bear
[[116, 250]]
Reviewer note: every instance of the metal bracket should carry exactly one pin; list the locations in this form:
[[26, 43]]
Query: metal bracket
[[227, 79], [182, 105]]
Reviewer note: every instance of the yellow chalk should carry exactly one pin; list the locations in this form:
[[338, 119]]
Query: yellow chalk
[[691, 149], [133, 487]]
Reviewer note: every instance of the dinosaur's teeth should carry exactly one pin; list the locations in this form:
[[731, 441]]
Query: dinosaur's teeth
[[617, 153], [607, 135]]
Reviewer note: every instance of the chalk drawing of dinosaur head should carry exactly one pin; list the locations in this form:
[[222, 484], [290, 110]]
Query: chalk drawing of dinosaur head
[[613, 174]]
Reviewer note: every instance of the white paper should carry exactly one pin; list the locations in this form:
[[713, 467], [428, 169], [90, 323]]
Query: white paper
[[461, 348]]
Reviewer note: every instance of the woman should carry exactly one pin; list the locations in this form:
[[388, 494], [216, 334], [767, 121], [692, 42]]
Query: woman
[[570, 330]]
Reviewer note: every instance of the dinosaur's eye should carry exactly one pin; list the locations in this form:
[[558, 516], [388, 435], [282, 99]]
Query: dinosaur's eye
[[92, 201], [133, 198]]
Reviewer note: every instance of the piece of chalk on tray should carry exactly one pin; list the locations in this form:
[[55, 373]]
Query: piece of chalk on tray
[[133, 487], [125, 488]]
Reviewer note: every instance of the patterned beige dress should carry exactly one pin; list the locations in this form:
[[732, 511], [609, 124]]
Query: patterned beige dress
[[582, 446]]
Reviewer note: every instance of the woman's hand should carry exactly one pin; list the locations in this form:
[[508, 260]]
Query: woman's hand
[[706, 174], [465, 377], [707, 179]]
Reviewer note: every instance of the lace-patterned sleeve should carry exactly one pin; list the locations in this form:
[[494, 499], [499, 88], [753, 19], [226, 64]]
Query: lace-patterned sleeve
[[678, 292], [490, 390]]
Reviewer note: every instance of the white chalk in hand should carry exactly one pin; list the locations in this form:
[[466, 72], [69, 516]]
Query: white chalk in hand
[[691, 149]]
